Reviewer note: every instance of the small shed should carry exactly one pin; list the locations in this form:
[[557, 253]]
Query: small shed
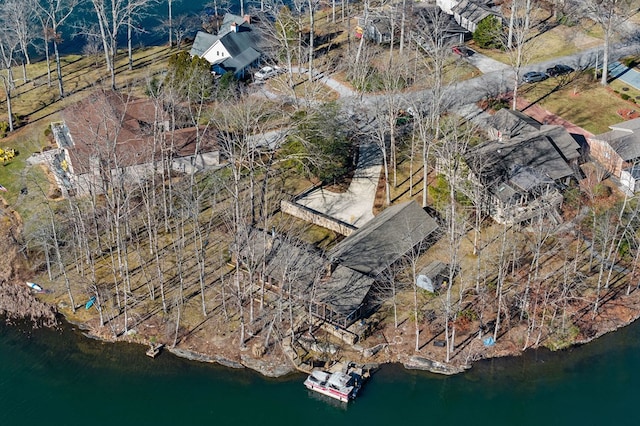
[[433, 276]]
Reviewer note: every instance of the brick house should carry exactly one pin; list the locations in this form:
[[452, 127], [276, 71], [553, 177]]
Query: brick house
[[108, 137], [618, 150]]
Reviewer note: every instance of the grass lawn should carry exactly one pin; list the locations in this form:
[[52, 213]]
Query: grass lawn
[[624, 88], [579, 100], [38, 104], [556, 42]]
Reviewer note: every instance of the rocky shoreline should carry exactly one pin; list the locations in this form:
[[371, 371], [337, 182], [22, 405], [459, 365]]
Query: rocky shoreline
[[268, 366], [17, 301]]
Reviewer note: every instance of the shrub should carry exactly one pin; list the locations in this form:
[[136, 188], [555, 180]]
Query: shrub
[[439, 192], [566, 20], [624, 96], [497, 104], [4, 128], [488, 33], [601, 190]]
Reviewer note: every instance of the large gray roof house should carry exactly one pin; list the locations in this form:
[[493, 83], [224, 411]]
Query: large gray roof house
[[522, 171], [384, 239], [336, 286]]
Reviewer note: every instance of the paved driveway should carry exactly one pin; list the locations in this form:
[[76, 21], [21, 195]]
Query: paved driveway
[[485, 64], [355, 206], [623, 73]]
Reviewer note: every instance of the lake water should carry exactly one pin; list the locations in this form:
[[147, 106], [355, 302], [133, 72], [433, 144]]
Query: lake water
[[62, 378], [151, 22], [59, 377]]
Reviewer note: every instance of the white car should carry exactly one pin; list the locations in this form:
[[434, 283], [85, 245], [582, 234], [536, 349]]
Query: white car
[[267, 72]]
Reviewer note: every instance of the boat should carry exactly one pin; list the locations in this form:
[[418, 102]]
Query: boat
[[90, 302], [34, 286], [338, 385]]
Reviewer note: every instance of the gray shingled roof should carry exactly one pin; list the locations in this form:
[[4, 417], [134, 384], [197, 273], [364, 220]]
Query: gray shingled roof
[[236, 43], [624, 138], [563, 140], [384, 239], [227, 20], [344, 291], [627, 145], [496, 160], [241, 61], [291, 262], [202, 42], [513, 123], [473, 11]]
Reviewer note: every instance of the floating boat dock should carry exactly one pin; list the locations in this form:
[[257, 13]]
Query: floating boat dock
[[154, 350]]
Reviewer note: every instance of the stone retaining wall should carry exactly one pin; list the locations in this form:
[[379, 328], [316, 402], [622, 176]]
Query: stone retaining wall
[[317, 218]]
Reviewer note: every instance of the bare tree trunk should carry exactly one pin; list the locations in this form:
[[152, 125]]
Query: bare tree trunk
[[7, 91], [170, 4], [58, 69], [402, 26], [129, 47], [311, 36]]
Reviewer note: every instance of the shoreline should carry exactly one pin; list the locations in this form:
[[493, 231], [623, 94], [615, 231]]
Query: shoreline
[[277, 368]]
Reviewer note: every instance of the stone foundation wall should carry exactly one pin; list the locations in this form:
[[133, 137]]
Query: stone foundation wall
[[317, 218]]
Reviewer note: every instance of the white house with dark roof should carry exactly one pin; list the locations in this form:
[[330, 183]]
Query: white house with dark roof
[[234, 49]]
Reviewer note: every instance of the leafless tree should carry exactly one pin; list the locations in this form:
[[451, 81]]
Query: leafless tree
[[432, 55], [53, 13], [519, 41], [455, 140], [112, 16], [19, 18], [609, 15], [8, 45], [280, 28], [312, 5]]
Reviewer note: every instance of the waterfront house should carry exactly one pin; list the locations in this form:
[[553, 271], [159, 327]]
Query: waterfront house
[[235, 49], [108, 139], [523, 171], [337, 287], [618, 150]]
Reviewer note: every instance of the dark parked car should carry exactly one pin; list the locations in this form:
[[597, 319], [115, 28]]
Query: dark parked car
[[534, 76], [559, 69], [463, 51]]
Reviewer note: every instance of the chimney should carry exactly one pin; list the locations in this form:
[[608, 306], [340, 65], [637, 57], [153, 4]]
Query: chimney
[[247, 19], [234, 27]]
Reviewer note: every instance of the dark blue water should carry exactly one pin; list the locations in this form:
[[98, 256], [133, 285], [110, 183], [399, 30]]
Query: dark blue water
[[62, 378], [150, 22]]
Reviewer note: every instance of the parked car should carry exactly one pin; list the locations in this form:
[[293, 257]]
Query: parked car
[[559, 69], [267, 72], [463, 51], [534, 76]]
